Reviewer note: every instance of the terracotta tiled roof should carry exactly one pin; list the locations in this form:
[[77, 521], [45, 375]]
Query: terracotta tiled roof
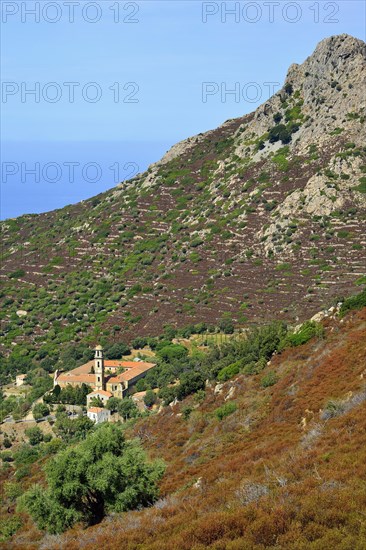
[[108, 363], [102, 392], [78, 378], [133, 364], [82, 374], [138, 368], [83, 369], [96, 409]]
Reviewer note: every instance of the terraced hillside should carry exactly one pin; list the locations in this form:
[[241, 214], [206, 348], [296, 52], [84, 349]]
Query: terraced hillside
[[263, 216]]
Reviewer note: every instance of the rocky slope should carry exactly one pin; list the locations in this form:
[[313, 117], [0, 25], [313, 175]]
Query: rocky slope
[[261, 217]]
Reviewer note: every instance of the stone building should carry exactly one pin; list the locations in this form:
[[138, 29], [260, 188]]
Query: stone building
[[106, 378]]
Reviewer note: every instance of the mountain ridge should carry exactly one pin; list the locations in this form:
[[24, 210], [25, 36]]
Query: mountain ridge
[[261, 216]]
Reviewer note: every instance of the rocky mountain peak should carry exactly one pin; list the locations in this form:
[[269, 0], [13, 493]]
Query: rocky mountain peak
[[261, 216]]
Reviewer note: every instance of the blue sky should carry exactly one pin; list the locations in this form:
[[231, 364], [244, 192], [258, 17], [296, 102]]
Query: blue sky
[[162, 60]]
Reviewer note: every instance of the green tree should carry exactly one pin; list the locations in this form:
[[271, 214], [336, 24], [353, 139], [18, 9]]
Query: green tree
[[172, 351], [72, 429], [40, 381], [96, 402], [168, 395], [70, 395], [113, 403], [190, 383], [105, 473], [117, 350], [141, 385], [150, 398], [35, 435], [127, 408], [139, 343], [40, 410], [226, 325]]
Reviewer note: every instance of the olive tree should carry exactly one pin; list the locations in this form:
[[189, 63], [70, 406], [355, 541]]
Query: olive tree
[[101, 474]]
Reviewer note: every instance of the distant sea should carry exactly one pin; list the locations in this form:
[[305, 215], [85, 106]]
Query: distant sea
[[37, 177]]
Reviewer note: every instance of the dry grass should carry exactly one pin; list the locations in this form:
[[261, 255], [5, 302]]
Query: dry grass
[[260, 478]]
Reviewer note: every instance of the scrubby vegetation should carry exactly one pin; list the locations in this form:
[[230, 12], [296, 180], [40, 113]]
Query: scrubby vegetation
[[257, 413], [239, 454], [169, 248], [103, 473], [354, 302]]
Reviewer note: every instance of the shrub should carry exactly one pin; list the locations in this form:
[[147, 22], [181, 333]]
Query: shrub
[[251, 492], [228, 372], [307, 331], [172, 351], [279, 133], [226, 325], [167, 395], [269, 379], [17, 274], [12, 490], [362, 186], [196, 242], [25, 456], [53, 446], [190, 383], [102, 474], [40, 410], [186, 412], [117, 350], [6, 456], [251, 354], [200, 396], [332, 409], [289, 89], [139, 343], [127, 408], [7, 443], [72, 429], [22, 472], [9, 526], [225, 410], [35, 435], [150, 398], [354, 302]]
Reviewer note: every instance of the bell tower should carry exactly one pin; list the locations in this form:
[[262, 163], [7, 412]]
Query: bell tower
[[99, 368]]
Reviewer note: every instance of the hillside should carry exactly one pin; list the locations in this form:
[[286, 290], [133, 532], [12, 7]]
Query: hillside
[[273, 459], [258, 218]]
